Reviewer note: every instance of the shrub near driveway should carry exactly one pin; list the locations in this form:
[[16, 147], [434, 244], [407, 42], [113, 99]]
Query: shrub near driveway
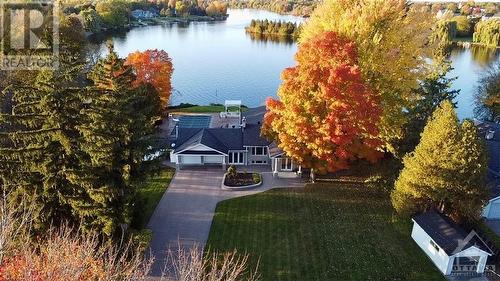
[[323, 232]]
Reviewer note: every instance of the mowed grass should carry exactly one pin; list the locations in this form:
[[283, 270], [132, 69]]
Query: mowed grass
[[334, 231], [149, 194]]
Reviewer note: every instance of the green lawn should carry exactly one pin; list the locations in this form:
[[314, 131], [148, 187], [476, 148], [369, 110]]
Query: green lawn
[[334, 231], [148, 195]]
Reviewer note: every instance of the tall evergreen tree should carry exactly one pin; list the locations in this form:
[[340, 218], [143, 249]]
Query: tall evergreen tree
[[38, 147], [118, 121], [434, 90], [446, 171]]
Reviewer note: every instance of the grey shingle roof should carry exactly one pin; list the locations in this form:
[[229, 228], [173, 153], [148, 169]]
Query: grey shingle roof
[[493, 148], [225, 139], [254, 115], [220, 139], [251, 136], [447, 234]]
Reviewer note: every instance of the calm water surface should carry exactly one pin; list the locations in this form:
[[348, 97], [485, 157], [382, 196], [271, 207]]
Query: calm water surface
[[218, 61]]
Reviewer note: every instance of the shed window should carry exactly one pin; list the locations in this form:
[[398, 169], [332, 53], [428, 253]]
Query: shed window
[[436, 247]]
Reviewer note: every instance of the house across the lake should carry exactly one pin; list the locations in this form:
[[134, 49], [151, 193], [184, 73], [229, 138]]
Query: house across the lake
[[232, 139], [450, 247], [145, 14], [490, 132]]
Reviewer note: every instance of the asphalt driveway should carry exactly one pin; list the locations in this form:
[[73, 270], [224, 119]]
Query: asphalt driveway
[[184, 215]]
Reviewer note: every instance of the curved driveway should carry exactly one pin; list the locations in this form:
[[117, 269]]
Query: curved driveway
[[185, 212]]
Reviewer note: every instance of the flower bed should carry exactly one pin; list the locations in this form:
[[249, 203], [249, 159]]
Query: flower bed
[[242, 179]]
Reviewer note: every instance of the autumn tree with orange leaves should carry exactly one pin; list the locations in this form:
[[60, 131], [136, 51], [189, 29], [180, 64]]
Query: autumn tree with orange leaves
[[153, 67], [326, 116]]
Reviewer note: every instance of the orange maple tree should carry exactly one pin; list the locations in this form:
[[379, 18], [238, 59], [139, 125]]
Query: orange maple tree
[[326, 116], [154, 67]]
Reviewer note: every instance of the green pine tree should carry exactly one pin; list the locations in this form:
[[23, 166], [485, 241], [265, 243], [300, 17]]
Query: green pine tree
[[38, 146], [446, 171], [434, 89], [118, 124]]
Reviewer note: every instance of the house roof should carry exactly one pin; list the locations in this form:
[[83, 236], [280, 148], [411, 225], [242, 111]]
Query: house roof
[[274, 150], [251, 136], [220, 139], [225, 139], [490, 132], [255, 115], [448, 235]]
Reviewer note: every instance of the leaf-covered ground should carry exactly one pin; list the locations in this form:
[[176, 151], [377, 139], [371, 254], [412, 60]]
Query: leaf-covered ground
[[334, 231]]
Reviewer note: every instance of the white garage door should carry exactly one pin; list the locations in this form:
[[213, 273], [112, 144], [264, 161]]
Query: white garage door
[[212, 159], [191, 160], [494, 211]]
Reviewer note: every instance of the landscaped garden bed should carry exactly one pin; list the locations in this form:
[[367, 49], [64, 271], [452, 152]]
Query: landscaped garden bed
[[242, 179], [237, 180]]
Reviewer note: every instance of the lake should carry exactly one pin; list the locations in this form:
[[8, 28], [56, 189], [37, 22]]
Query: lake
[[215, 61]]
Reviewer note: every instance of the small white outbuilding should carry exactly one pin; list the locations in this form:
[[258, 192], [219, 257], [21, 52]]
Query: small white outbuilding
[[449, 246]]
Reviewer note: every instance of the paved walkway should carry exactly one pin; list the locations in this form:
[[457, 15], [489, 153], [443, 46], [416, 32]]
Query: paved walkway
[[185, 212]]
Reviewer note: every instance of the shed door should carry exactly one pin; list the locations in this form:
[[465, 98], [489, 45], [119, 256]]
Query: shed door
[[190, 159], [494, 211]]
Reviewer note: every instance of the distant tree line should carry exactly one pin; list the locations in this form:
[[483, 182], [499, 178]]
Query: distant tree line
[[276, 28], [293, 7], [116, 14], [185, 8], [483, 32]]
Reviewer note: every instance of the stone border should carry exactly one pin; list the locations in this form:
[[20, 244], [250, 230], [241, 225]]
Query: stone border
[[225, 187]]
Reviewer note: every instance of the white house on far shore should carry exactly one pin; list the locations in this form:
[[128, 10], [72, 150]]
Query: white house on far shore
[[449, 247]]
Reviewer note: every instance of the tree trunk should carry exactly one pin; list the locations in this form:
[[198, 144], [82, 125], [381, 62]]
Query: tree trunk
[[312, 175]]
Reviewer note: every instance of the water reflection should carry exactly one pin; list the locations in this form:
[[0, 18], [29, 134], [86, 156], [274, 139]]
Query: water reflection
[[272, 38], [483, 56], [469, 65]]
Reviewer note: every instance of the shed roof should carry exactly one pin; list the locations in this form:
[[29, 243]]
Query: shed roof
[[448, 235]]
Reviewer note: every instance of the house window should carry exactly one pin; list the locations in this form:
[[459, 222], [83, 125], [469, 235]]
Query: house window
[[236, 158], [286, 164], [436, 247], [259, 150]]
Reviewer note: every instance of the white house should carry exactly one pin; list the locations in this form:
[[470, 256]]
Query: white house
[[490, 132], [239, 145], [448, 246]]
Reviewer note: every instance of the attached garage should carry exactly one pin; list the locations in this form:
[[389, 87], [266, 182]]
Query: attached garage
[[213, 159], [190, 159]]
